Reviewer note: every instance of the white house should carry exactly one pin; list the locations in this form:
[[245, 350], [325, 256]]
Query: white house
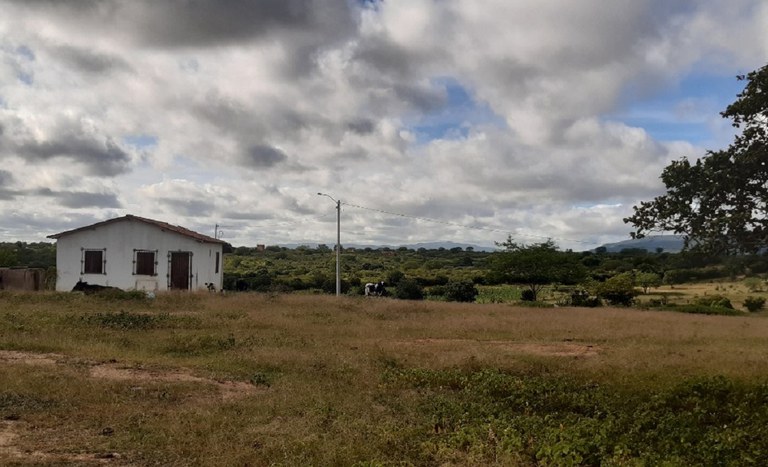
[[136, 253]]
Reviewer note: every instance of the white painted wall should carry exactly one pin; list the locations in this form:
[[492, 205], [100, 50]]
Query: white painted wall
[[120, 239]]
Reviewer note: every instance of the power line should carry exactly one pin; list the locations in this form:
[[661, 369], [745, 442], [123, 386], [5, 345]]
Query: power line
[[465, 226]]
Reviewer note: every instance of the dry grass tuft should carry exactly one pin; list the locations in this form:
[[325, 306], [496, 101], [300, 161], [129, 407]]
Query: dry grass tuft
[[287, 379]]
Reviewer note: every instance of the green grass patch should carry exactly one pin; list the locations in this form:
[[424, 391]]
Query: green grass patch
[[485, 415]]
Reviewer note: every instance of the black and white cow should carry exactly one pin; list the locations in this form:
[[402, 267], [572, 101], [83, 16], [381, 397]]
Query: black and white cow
[[375, 289]]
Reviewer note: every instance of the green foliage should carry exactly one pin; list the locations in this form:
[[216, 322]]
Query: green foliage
[[528, 295], [394, 277], [582, 297], [647, 280], [701, 309], [497, 294], [536, 265], [754, 303], [617, 290], [30, 255], [460, 291], [557, 420], [409, 289], [720, 202], [714, 301]]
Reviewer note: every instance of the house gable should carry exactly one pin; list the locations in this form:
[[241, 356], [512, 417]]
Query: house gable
[[133, 252]]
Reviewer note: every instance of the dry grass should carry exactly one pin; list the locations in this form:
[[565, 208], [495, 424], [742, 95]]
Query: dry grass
[[734, 290], [256, 379]]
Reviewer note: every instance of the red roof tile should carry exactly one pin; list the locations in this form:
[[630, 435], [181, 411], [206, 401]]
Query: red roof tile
[[162, 225]]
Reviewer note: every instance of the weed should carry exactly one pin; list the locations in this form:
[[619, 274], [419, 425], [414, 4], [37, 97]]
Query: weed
[[126, 320]]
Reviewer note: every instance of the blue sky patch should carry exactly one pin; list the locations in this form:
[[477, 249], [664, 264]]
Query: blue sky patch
[[453, 120], [684, 111]]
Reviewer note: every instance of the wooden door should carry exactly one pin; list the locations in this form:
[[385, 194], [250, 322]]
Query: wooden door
[[180, 270]]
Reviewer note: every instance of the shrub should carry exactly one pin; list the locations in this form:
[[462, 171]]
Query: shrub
[[409, 289], [460, 291], [717, 301], [617, 290], [705, 310], [754, 303], [527, 295], [582, 298]]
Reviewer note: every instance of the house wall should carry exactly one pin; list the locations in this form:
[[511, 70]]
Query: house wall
[[121, 239]]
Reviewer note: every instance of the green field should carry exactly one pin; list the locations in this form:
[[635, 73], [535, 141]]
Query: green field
[[270, 379]]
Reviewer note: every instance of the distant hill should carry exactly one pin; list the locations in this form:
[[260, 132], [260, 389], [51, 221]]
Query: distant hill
[[412, 246], [669, 244]]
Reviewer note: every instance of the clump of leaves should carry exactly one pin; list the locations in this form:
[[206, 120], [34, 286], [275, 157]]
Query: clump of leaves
[[714, 301], [409, 289], [460, 291], [754, 303]]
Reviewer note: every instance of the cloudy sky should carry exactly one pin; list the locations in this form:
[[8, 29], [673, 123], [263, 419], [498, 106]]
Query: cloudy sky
[[459, 120]]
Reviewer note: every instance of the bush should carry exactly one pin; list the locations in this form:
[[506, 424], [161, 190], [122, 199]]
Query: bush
[[717, 301], [409, 289], [754, 303], [705, 310], [582, 298], [460, 291], [527, 295], [617, 290]]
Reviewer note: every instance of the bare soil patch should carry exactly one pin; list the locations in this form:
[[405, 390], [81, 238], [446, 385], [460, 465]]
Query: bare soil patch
[[116, 371]]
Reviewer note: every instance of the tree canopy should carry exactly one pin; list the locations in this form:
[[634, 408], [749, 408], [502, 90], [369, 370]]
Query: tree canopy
[[536, 265], [719, 203]]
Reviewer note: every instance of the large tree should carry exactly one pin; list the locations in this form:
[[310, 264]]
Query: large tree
[[719, 203], [535, 265]]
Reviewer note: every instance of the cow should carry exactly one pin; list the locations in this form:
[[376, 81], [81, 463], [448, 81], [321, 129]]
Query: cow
[[88, 289], [376, 289]]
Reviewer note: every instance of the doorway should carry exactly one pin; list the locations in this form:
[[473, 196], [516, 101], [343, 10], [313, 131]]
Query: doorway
[[180, 264]]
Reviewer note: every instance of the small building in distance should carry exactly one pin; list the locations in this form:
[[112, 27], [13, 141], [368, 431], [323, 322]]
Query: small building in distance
[[136, 253]]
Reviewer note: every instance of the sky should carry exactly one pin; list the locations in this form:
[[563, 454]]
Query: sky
[[430, 120]]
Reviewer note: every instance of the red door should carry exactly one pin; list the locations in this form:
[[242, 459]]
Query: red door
[[180, 270]]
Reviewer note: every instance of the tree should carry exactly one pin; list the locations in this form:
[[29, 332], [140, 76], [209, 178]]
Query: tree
[[409, 289], [460, 291], [536, 265], [616, 290], [647, 280], [720, 202]]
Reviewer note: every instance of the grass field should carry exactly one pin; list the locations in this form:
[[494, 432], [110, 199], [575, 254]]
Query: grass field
[[259, 379]]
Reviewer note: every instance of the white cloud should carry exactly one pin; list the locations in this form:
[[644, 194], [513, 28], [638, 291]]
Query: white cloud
[[261, 105]]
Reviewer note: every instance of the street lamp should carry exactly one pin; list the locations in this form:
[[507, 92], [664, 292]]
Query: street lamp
[[338, 242]]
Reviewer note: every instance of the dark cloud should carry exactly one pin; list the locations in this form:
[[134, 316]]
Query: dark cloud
[[201, 23], [6, 178], [102, 159], [81, 199], [386, 57], [90, 61], [188, 207], [420, 97], [362, 126], [210, 22], [264, 156]]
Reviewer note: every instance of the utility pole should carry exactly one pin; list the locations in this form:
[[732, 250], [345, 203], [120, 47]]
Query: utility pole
[[338, 242]]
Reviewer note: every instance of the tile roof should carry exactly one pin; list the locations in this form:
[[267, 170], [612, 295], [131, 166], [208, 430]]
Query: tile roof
[[162, 225]]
